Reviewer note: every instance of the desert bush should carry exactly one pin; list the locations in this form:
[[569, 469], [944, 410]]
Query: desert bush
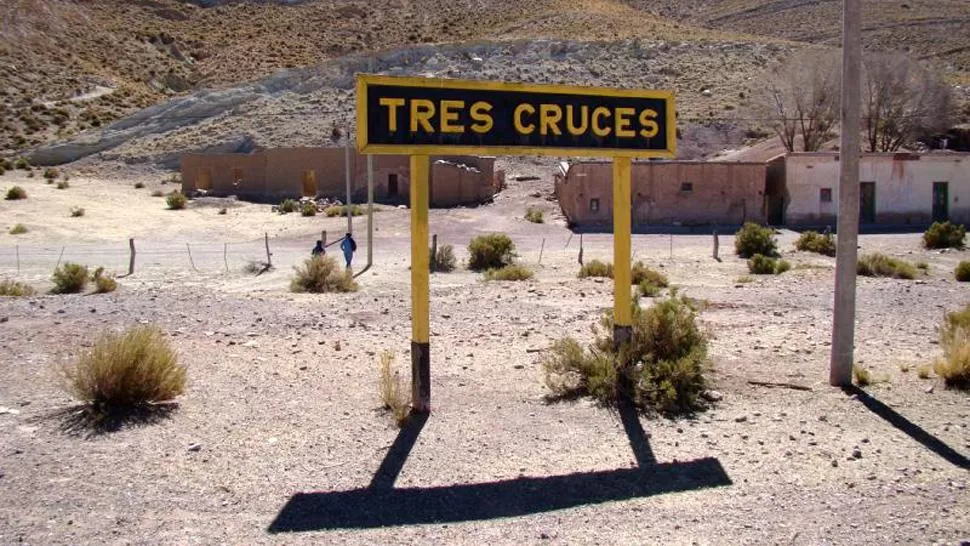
[[15, 288], [308, 209], [753, 239], [648, 289], [77, 212], [15, 193], [256, 267], [744, 279], [962, 272], [880, 265], [640, 274], [861, 375], [103, 283], [944, 235], [50, 173], [923, 372], [2, 170], [443, 259], [18, 229], [534, 215], [176, 200], [5, 164], [763, 265], [596, 268], [812, 241], [125, 371], [341, 210], [511, 272], [158, 193], [661, 370], [70, 278], [923, 266], [139, 185], [393, 395], [782, 266], [63, 184], [490, 251], [954, 367], [223, 211], [287, 206], [322, 274], [22, 164]]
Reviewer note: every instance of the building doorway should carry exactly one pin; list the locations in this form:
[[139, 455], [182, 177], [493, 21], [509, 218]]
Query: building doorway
[[867, 203], [204, 181], [309, 183], [392, 189], [941, 201]]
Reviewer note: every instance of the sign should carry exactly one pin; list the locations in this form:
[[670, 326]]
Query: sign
[[398, 115]]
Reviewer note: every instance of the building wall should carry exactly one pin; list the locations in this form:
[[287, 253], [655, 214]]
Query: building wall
[[666, 193], [903, 186], [279, 173]]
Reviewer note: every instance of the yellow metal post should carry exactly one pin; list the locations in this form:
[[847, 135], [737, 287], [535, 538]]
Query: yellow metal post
[[622, 312], [420, 315]]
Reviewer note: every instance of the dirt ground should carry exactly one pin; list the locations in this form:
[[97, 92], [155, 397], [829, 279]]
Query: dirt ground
[[279, 437]]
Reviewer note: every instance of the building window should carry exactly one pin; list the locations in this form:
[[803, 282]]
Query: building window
[[686, 187], [594, 205], [825, 195]]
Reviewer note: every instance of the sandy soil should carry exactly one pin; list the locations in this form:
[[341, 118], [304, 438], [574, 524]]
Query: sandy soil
[[279, 438]]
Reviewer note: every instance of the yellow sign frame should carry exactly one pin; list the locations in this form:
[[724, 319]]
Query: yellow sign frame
[[363, 145]]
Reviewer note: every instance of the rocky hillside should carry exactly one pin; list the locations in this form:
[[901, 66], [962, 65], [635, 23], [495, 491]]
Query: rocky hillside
[[70, 67]]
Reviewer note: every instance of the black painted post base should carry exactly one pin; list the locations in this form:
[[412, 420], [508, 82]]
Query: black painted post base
[[420, 377]]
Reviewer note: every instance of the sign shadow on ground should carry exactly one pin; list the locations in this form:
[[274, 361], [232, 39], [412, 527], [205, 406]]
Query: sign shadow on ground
[[382, 505]]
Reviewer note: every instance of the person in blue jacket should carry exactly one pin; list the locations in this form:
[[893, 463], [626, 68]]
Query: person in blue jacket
[[349, 246]]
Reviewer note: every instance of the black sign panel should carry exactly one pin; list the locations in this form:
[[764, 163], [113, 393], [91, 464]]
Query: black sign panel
[[422, 116]]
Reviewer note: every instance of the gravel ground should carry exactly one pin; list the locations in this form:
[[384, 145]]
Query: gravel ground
[[279, 437]]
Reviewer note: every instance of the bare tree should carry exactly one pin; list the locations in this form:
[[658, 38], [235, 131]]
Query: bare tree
[[803, 99], [902, 100]]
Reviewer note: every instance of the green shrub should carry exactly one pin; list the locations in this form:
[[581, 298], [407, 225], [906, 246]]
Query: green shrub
[[662, 369], [534, 215], [394, 398], [812, 241], [944, 235], [77, 212], [753, 239], [648, 289], [15, 289], [490, 251], [15, 193], [125, 371], [139, 185], [51, 173], [880, 265], [103, 283], [5, 164], [763, 265], [63, 184], [322, 274], [22, 164], [18, 229], [962, 272], [70, 278], [176, 200], [309, 209], [596, 268], [287, 206], [443, 260], [511, 272], [341, 210]]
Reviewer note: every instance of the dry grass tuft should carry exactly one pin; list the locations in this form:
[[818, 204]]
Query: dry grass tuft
[[944, 235], [18, 229], [15, 289], [812, 241], [341, 210], [63, 184], [862, 376], [513, 272], [125, 371], [763, 265], [77, 212], [103, 283], [923, 372], [962, 271], [534, 215], [322, 274], [954, 367], [596, 268], [443, 260], [16, 193], [880, 265], [393, 395]]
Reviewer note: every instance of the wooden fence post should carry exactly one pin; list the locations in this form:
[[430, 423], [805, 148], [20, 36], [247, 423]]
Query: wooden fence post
[[131, 259], [434, 251], [541, 248], [225, 255], [269, 255], [191, 261], [716, 246]]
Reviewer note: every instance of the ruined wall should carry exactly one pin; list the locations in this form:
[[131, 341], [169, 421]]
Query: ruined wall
[[903, 186], [666, 193], [225, 174]]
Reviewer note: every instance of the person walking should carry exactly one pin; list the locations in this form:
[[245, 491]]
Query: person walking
[[349, 246], [318, 250]]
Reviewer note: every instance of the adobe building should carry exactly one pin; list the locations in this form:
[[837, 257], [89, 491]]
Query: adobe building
[[274, 174], [677, 193], [896, 189]]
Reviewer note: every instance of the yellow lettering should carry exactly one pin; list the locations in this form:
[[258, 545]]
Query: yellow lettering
[[483, 120], [649, 127], [521, 128], [623, 121], [449, 116], [392, 106], [549, 117], [422, 110], [598, 114], [571, 120]]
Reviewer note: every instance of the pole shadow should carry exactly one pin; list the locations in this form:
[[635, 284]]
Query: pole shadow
[[382, 505], [909, 428]]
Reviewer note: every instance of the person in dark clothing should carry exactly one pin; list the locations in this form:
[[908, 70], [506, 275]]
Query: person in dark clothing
[[349, 246], [318, 250]]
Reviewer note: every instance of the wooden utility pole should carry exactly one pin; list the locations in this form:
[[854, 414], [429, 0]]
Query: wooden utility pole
[[420, 317], [622, 299], [843, 320], [348, 205], [370, 210]]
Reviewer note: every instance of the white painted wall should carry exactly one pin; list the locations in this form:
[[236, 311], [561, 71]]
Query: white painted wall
[[904, 186]]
